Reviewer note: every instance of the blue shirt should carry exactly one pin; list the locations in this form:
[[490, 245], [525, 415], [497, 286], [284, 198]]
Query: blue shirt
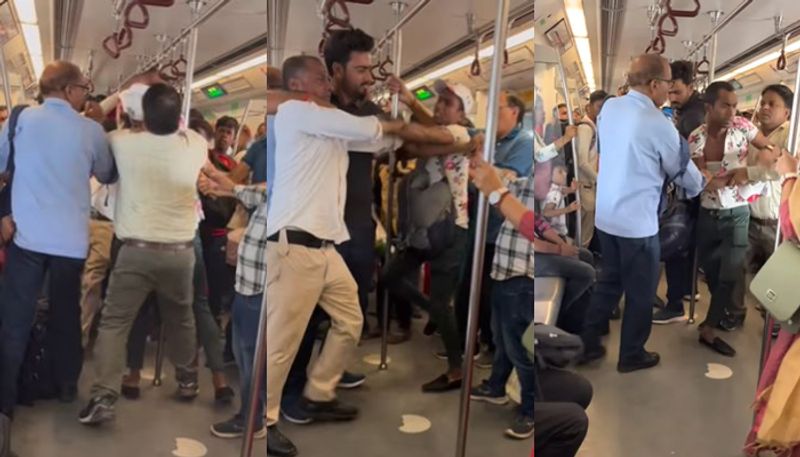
[[513, 152], [256, 159], [270, 155], [639, 148], [57, 151]]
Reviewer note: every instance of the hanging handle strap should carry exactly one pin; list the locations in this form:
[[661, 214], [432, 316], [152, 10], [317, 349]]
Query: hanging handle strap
[[669, 32], [133, 23], [683, 13]]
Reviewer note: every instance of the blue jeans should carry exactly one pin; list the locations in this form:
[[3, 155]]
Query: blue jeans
[[22, 282], [512, 313], [630, 265], [298, 373], [579, 275], [359, 256], [245, 317]]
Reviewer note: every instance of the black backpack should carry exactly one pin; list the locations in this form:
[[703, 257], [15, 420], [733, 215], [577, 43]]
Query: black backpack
[[426, 213], [676, 216], [5, 192], [555, 348], [35, 380]]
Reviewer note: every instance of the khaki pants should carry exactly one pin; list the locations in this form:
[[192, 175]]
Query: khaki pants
[[98, 262], [137, 273], [299, 278], [587, 215]]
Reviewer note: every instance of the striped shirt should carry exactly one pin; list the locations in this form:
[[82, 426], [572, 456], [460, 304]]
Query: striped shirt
[[513, 255], [251, 267]]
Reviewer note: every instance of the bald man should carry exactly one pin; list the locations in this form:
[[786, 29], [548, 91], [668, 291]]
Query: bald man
[[639, 149], [57, 152]]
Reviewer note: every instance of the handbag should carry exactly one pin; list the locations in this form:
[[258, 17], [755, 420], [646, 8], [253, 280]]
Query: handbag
[[555, 348], [773, 286]]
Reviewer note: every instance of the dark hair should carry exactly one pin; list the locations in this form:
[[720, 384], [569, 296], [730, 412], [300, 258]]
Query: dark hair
[[517, 103], [783, 92], [109, 125], [711, 94], [683, 70], [561, 105], [195, 113], [162, 109], [227, 122], [598, 96], [341, 43], [202, 127], [293, 66]]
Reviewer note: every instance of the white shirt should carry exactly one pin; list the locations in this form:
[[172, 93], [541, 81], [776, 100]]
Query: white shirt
[[157, 194], [556, 198], [454, 168], [310, 184]]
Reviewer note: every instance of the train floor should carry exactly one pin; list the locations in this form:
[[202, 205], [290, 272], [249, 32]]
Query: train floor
[[677, 409], [156, 425]]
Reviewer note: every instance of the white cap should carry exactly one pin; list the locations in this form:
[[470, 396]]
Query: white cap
[[461, 91], [131, 99]]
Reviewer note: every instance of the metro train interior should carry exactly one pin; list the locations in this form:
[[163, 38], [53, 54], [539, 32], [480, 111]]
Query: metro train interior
[[705, 399], [218, 55]]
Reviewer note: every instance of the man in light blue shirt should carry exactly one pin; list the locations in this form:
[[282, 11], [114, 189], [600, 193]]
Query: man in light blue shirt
[[57, 151], [639, 149]]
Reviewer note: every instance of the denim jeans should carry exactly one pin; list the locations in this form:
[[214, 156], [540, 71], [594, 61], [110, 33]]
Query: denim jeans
[[579, 274], [22, 281], [512, 313], [359, 256], [630, 265], [245, 316]]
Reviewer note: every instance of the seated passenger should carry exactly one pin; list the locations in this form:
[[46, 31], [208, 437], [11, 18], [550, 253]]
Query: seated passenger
[[555, 209], [158, 174], [561, 421]]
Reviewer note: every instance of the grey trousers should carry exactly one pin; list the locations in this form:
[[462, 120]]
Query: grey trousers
[[138, 272], [761, 236]]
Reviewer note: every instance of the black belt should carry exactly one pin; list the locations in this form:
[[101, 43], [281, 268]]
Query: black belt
[[303, 239], [727, 212], [96, 215]]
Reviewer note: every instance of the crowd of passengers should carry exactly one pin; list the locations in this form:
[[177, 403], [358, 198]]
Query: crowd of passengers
[[733, 176], [125, 221]]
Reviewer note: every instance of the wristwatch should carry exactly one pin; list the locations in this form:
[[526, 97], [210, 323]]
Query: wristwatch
[[497, 196]]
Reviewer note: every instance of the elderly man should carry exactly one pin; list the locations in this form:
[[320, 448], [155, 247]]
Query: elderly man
[[58, 151], [640, 149]]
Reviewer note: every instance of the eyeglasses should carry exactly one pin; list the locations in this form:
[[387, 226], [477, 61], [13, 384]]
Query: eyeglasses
[[89, 87], [668, 81]]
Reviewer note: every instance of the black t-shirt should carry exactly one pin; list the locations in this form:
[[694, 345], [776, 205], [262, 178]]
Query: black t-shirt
[[358, 204], [691, 115]]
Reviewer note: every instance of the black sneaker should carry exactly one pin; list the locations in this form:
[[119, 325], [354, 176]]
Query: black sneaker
[[521, 428], [667, 316], [648, 360], [188, 390], [590, 354], [328, 411], [278, 445], [485, 393], [730, 324], [295, 413], [441, 384], [234, 428], [100, 409], [351, 380]]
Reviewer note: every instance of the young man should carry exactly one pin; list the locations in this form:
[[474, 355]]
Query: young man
[[773, 115], [721, 146], [689, 114], [641, 147], [158, 170]]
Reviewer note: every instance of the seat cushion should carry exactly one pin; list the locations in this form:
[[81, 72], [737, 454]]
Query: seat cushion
[[547, 299]]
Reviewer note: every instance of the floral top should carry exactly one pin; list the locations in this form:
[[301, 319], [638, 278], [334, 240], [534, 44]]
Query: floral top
[[456, 171], [737, 141]]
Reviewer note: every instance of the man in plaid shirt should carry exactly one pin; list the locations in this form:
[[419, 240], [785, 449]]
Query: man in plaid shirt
[[512, 313], [251, 270]]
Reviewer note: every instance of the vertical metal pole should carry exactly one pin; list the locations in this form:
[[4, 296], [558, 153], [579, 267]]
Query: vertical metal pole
[[575, 168], [712, 65], [6, 81], [241, 126], [500, 33], [196, 6], [397, 56]]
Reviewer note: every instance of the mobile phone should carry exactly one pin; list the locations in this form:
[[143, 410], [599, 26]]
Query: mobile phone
[[668, 111]]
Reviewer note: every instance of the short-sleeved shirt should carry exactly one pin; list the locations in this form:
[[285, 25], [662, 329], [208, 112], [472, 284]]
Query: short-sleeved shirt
[[456, 170], [737, 146], [556, 198], [256, 159]]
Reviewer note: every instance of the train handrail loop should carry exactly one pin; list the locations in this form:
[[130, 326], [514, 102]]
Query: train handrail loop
[[705, 70], [162, 3], [658, 45], [137, 24], [110, 46], [124, 38], [781, 64], [487, 35], [683, 13], [668, 32]]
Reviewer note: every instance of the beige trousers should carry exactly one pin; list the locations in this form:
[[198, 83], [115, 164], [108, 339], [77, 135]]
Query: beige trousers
[[98, 263], [299, 278]]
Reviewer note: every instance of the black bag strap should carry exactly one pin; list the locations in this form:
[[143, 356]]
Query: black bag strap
[[5, 194]]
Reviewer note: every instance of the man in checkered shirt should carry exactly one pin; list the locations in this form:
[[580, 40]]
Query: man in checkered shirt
[[251, 270], [512, 313]]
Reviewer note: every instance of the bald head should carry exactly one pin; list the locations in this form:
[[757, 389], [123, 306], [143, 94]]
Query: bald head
[[646, 68], [57, 76]]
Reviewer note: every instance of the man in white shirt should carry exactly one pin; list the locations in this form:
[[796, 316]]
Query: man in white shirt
[[156, 220], [586, 144], [305, 221]]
